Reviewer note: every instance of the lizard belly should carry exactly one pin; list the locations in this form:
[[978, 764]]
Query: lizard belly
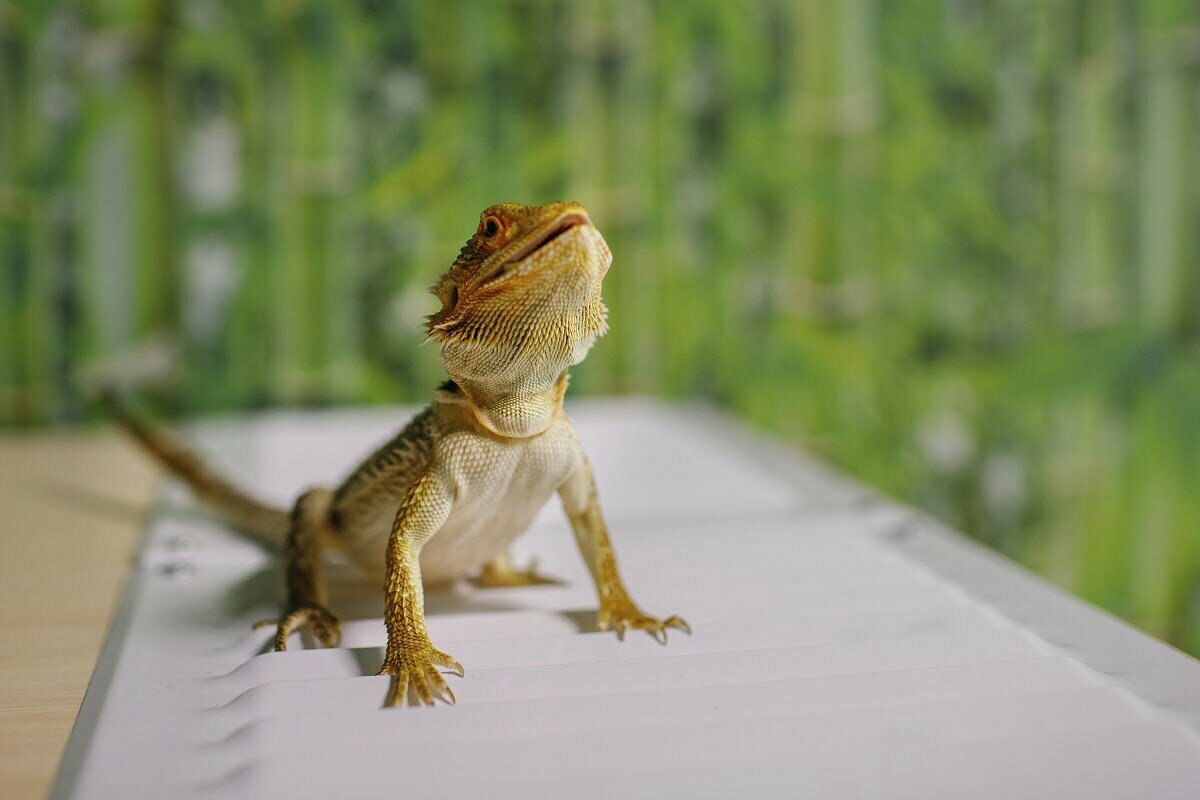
[[481, 532], [500, 487]]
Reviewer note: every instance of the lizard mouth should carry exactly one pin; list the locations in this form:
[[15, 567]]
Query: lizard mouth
[[548, 234]]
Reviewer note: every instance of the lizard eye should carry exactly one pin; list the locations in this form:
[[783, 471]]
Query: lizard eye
[[490, 227]]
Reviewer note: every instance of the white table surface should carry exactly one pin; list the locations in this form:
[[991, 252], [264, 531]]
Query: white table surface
[[844, 647]]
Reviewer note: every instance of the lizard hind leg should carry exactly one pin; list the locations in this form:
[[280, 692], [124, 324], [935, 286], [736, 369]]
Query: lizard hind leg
[[499, 573], [311, 526]]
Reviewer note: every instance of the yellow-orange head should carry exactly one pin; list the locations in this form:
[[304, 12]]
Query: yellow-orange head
[[521, 303]]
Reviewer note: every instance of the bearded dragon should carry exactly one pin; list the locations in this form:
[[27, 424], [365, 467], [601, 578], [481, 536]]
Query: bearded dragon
[[447, 495]]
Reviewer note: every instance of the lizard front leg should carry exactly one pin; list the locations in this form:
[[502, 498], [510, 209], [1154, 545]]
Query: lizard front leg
[[617, 610], [306, 603], [411, 659]]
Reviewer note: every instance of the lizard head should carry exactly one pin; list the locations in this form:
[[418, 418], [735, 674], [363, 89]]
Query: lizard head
[[521, 303]]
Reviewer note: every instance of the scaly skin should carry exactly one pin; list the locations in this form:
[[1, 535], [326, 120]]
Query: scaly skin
[[447, 495], [499, 573]]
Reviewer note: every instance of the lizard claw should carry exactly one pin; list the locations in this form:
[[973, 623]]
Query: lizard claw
[[621, 615], [324, 625], [415, 666], [448, 661]]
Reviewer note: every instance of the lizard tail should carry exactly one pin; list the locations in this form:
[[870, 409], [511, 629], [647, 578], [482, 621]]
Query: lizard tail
[[256, 520]]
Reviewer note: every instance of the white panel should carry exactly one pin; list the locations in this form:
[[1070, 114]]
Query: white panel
[[831, 658]]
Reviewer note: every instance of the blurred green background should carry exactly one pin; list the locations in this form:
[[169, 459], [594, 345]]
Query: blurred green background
[[949, 245]]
